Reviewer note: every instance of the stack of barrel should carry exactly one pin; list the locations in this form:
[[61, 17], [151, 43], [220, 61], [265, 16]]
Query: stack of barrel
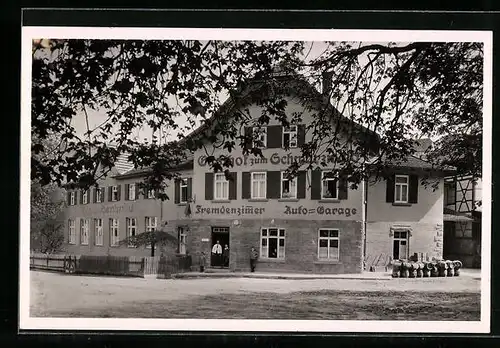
[[420, 269]]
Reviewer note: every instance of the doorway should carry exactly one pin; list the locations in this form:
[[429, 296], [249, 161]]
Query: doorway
[[219, 256], [400, 249]]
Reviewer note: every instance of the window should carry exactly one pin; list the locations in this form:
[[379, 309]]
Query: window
[[98, 195], [221, 186], [182, 240], [288, 186], [98, 231], [328, 244], [71, 232], [260, 136], [449, 189], [258, 185], [72, 199], [150, 226], [131, 229], [114, 193], [272, 243], [401, 189], [184, 190], [84, 231], [151, 193], [85, 197], [113, 231], [290, 136], [329, 186], [131, 192], [400, 245]]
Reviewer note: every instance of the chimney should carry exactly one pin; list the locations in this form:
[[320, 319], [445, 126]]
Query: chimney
[[326, 83]]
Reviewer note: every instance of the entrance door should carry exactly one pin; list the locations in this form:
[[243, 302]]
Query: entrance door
[[400, 245], [220, 235]]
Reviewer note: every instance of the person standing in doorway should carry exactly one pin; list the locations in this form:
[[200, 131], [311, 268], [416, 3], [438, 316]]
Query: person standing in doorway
[[254, 255], [225, 254], [217, 254]]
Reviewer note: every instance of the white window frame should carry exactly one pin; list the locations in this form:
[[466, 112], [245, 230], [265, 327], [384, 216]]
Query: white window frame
[[397, 237], [183, 185], [325, 181], [72, 195], [131, 227], [262, 136], [151, 223], [85, 197], [98, 232], [220, 180], [182, 240], [151, 193], [114, 225], [98, 194], [71, 232], [401, 186], [84, 231], [294, 180], [262, 185], [131, 192], [293, 133], [265, 234], [329, 239], [114, 191]]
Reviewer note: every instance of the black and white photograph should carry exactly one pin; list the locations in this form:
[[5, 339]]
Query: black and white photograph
[[255, 180]]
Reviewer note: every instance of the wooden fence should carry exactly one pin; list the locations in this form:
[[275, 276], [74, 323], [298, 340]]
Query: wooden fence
[[161, 267]]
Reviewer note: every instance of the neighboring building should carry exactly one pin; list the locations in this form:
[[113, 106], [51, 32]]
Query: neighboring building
[[312, 223]]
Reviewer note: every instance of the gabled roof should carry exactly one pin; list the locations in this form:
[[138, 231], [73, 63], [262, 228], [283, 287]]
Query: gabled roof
[[138, 172]]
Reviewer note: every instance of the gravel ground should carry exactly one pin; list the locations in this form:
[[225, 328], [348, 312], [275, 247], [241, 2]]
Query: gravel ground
[[60, 292]]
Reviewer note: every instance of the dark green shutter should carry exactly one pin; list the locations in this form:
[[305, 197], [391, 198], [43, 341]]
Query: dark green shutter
[[389, 192], [209, 186], [119, 189], [233, 184], [301, 185], [177, 190], [274, 137], [301, 134], [273, 184], [110, 193], [343, 187], [413, 189], [127, 191], [245, 185], [316, 184], [190, 188]]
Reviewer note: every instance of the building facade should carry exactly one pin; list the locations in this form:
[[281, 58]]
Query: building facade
[[314, 222]]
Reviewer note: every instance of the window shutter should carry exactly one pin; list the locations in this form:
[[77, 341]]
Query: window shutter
[[413, 189], [177, 191], [80, 193], [343, 187], [273, 184], [209, 186], [190, 188], [110, 193], [69, 197], [274, 137], [136, 190], [389, 192], [119, 189], [127, 191], [316, 184], [301, 185], [94, 195], [233, 184], [248, 133], [246, 185], [301, 134]]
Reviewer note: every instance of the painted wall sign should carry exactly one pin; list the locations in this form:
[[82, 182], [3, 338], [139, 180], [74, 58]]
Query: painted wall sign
[[104, 209], [321, 210], [274, 159], [222, 210]]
